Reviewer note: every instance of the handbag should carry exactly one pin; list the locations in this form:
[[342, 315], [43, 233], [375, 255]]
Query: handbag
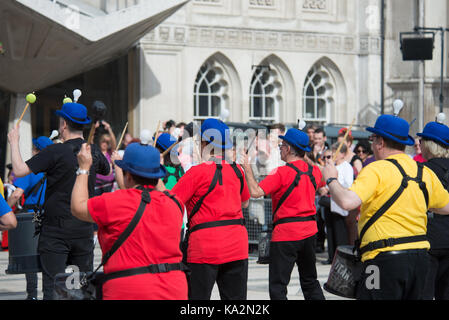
[[88, 285]]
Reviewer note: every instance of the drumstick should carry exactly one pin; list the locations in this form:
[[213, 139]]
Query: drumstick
[[252, 141], [121, 137], [344, 139], [91, 134], [169, 149], [30, 98], [23, 113], [156, 133]]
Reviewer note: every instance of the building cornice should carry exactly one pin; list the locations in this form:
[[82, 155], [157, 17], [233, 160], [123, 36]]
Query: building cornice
[[257, 39]]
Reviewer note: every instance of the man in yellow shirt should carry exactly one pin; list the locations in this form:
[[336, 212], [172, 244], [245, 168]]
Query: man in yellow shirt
[[395, 194]]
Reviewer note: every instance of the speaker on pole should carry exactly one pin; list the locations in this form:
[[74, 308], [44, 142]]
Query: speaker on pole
[[417, 47]]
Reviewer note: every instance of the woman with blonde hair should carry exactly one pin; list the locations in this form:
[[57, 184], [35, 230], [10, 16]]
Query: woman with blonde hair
[[335, 216], [435, 149], [107, 144]]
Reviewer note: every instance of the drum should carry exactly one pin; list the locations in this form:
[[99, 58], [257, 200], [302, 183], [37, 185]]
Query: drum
[[23, 256], [345, 273], [264, 248]]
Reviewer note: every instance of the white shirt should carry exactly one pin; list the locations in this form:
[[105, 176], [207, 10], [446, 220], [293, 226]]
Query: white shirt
[[345, 178]]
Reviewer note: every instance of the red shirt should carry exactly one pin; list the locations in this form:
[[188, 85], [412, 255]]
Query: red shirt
[[155, 240], [300, 203], [216, 245], [419, 158]]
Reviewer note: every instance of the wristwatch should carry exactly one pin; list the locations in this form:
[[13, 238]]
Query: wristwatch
[[328, 181], [79, 171]]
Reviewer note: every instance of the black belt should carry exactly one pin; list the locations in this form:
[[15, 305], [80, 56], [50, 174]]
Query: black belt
[[294, 219], [220, 223], [152, 268], [397, 252], [29, 206], [384, 243]]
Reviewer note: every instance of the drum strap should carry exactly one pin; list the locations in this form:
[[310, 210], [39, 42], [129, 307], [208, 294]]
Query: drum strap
[[152, 268], [294, 219], [290, 189], [383, 243], [220, 223]]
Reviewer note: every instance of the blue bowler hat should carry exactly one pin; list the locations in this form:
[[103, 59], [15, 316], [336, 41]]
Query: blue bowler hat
[[437, 132], [393, 128], [42, 142], [143, 161], [217, 133], [74, 112], [297, 138], [165, 141]]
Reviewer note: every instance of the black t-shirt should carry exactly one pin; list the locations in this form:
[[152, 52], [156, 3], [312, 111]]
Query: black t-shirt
[[438, 226], [59, 162]]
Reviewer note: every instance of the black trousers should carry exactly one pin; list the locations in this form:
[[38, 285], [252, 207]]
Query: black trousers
[[321, 235], [31, 286], [56, 254], [283, 256], [231, 278], [394, 276], [337, 233], [437, 283]]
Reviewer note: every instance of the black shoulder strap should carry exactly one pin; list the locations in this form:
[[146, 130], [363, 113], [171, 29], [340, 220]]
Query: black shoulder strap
[[239, 175], [421, 183], [295, 183], [37, 186], [168, 194], [396, 195], [146, 199], [217, 178]]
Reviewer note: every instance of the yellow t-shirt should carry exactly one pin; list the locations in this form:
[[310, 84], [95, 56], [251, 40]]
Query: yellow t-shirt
[[376, 183], [2, 192]]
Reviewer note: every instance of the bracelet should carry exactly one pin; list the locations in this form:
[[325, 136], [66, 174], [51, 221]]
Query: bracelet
[[328, 181], [79, 171]]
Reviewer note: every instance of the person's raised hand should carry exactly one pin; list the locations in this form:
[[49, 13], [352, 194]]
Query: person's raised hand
[[85, 157]]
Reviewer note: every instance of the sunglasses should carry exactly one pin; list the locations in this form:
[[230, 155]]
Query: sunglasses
[[360, 151], [327, 157]]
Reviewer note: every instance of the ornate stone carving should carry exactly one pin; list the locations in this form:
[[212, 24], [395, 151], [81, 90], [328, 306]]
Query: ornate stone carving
[[261, 3], [263, 39], [320, 5], [208, 1]]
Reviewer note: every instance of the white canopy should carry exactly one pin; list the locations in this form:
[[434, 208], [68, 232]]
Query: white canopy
[[47, 41]]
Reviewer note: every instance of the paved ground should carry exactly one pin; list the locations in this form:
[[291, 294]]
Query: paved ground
[[12, 287]]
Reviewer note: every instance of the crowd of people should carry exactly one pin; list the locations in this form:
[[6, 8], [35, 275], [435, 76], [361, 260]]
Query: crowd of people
[[167, 211]]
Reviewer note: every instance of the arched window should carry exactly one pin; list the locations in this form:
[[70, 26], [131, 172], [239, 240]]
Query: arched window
[[210, 91], [264, 95], [317, 95]]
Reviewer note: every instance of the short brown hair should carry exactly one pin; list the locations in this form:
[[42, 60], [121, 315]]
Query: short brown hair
[[142, 180], [296, 151], [394, 145]]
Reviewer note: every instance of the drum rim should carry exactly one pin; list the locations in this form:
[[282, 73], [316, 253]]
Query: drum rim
[[352, 256], [331, 290]]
